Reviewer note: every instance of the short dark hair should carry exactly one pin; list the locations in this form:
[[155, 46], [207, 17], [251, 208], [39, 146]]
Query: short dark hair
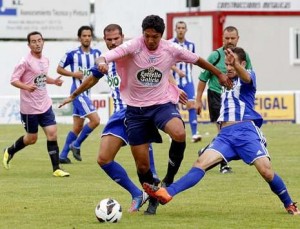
[[181, 22], [85, 27], [33, 33], [112, 27], [240, 52], [230, 29], [154, 22]]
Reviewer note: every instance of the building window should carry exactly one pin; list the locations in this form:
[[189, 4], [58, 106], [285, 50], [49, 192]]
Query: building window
[[295, 46]]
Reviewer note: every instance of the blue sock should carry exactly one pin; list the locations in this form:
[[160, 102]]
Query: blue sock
[[86, 130], [193, 120], [70, 138], [187, 181], [278, 187], [117, 173], [152, 164]]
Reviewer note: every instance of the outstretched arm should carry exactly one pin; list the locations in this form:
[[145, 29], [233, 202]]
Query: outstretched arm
[[223, 79], [86, 84], [65, 72]]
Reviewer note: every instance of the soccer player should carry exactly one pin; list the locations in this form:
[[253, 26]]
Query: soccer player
[[182, 73], [31, 76], [144, 64], [237, 119], [114, 134], [217, 57], [79, 60]]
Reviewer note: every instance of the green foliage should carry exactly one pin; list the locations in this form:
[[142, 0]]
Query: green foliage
[[32, 198]]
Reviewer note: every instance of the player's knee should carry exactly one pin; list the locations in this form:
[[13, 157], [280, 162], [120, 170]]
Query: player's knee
[[179, 136], [95, 122], [31, 140], [268, 175], [142, 168], [103, 160]]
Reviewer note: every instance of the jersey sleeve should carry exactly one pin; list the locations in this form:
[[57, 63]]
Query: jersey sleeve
[[248, 62], [66, 60], [18, 70], [96, 73], [206, 75], [122, 50]]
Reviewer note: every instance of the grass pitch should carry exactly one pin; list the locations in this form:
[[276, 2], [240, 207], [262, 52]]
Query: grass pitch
[[32, 198]]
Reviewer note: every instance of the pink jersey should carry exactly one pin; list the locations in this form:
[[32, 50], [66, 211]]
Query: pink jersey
[[145, 74], [32, 70]]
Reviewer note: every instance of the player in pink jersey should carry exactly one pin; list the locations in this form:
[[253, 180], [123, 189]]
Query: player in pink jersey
[[30, 76], [144, 65]]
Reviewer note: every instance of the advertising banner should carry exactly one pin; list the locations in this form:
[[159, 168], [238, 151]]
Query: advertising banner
[[276, 106], [54, 18], [10, 109], [250, 5], [273, 107]]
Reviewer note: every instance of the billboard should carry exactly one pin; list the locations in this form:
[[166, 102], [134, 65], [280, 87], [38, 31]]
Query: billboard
[[272, 106], [55, 19], [250, 5]]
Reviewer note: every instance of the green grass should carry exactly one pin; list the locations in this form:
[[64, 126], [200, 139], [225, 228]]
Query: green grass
[[32, 198]]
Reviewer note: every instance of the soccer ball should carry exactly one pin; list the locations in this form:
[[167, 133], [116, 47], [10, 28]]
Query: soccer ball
[[108, 210]]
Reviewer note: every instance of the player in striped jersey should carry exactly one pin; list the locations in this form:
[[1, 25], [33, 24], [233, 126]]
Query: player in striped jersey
[[79, 61], [182, 73], [237, 119], [114, 134]]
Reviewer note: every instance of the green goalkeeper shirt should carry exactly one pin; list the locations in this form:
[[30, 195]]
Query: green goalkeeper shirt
[[218, 59]]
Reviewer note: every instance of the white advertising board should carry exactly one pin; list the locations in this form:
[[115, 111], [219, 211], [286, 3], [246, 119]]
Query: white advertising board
[[54, 18], [10, 109], [250, 5]]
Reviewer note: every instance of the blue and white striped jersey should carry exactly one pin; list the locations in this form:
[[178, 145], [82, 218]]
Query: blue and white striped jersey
[[78, 60], [238, 103], [114, 82], [185, 67]]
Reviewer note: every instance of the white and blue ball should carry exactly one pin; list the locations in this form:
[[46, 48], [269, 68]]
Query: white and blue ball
[[108, 210]]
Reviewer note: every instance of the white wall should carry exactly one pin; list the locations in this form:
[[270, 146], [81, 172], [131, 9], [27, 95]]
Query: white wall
[[266, 39], [130, 13]]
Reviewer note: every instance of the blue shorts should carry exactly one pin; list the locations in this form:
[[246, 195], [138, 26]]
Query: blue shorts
[[242, 140], [31, 122], [116, 126], [189, 89], [83, 106], [143, 122]]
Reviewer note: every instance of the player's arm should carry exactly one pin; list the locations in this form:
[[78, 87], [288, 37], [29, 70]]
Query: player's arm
[[200, 89], [178, 71], [102, 64], [23, 86], [60, 70], [223, 79], [57, 81], [238, 66], [86, 84]]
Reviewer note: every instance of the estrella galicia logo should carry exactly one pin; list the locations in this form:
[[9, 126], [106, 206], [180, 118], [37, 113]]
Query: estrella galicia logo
[[9, 11], [40, 80], [149, 77]]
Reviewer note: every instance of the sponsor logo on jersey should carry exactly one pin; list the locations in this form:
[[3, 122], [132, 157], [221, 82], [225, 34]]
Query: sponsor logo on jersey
[[149, 77], [40, 80]]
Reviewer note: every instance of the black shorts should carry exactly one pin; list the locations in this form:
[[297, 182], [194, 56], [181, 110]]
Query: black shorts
[[214, 105], [32, 121], [143, 122]]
